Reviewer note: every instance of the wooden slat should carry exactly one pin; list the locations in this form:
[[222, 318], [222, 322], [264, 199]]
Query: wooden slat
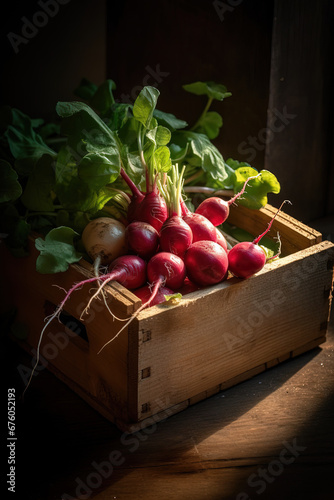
[[102, 377], [206, 340], [294, 235]]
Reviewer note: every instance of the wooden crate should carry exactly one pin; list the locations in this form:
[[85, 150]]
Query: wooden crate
[[172, 356]]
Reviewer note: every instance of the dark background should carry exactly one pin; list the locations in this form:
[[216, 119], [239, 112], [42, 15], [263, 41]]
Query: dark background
[[276, 57]]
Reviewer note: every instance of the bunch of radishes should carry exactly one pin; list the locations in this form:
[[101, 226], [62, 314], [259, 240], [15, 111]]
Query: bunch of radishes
[[166, 248]]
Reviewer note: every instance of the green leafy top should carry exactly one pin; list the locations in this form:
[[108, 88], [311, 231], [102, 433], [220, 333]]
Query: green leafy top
[[56, 176], [211, 89], [57, 251]]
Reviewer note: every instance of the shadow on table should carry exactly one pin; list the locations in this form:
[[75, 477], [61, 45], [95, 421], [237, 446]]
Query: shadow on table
[[66, 450]]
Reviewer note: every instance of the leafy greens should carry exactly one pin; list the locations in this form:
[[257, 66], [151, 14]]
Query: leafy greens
[[56, 176]]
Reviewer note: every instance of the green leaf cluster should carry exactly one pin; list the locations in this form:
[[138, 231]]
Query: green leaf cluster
[[56, 176]]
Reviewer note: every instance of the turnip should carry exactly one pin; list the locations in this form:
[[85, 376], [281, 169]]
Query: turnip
[[104, 240], [217, 210], [142, 239], [206, 263], [175, 234], [247, 258]]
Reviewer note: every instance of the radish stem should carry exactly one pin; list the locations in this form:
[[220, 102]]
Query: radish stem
[[256, 241], [207, 190]]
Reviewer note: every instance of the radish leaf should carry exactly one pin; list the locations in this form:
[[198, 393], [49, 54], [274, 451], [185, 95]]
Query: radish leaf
[[37, 195], [202, 153], [85, 90], [145, 104], [257, 189], [57, 250], [23, 141], [160, 136], [169, 120], [210, 124], [103, 98], [85, 130], [211, 89], [10, 188], [98, 169]]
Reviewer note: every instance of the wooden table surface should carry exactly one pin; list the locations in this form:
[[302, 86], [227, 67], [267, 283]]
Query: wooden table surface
[[271, 437]]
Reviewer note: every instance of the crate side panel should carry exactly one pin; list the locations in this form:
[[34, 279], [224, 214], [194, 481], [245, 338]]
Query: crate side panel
[[104, 375], [60, 345], [234, 327]]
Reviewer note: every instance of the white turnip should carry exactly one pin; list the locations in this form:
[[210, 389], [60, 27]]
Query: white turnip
[[104, 239]]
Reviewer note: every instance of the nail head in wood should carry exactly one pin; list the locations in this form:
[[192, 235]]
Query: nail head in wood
[[146, 372], [145, 408]]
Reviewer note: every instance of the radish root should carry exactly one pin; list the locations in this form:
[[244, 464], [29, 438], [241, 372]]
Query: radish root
[[55, 315], [156, 287]]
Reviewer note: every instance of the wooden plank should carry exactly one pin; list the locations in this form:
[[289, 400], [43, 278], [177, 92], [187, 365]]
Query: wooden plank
[[279, 309], [301, 129], [294, 235], [104, 375]]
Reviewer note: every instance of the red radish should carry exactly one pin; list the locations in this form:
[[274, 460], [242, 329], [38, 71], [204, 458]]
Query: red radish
[[142, 239], [175, 235], [200, 226], [104, 239], [216, 209], [247, 258], [188, 287], [206, 263], [144, 294], [153, 209], [136, 198], [147, 207], [221, 240], [129, 270], [163, 269]]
